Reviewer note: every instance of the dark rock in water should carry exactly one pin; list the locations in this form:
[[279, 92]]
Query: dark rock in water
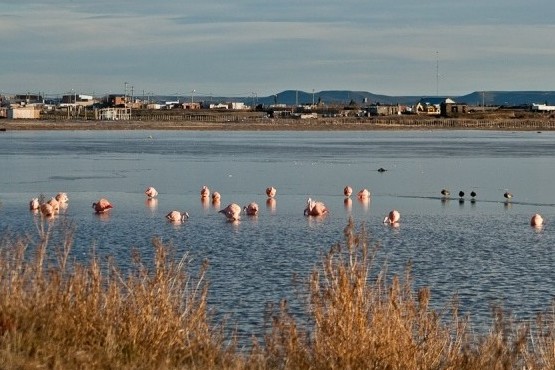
[[381, 169]]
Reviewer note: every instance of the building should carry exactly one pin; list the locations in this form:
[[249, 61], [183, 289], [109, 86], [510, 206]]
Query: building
[[238, 106], [24, 99], [24, 112], [383, 110], [113, 114], [542, 108], [77, 99], [191, 106], [439, 106]]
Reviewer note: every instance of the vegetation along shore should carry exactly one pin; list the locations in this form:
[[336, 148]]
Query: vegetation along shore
[[61, 314], [231, 122]]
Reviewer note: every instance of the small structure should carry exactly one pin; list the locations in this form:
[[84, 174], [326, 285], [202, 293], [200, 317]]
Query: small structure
[[216, 106], [433, 106], [24, 112], [24, 99], [542, 108], [238, 106], [305, 115], [113, 114], [77, 99], [191, 106], [383, 110]]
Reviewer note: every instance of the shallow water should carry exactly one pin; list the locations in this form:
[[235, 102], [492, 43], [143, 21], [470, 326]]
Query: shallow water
[[483, 251]]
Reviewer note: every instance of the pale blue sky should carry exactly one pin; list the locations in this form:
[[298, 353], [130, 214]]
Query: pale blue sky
[[241, 47]]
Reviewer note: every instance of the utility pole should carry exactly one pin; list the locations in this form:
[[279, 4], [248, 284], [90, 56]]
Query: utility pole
[[437, 73]]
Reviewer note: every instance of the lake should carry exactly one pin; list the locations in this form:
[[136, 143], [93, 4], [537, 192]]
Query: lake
[[484, 251]]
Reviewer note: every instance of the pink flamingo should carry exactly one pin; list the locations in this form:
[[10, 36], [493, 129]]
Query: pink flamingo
[[251, 209], [102, 205], [34, 204], [536, 220], [347, 191], [54, 204], [62, 197], [216, 197], [151, 192], [392, 218], [315, 208], [232, 212], [271, 192], [363, 194], [204, 192], [47, 210], [176, 216]]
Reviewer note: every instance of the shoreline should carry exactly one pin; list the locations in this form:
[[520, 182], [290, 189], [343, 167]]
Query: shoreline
[[365, 124]]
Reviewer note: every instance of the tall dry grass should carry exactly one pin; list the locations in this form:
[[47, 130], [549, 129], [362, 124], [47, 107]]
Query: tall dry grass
[[57, 313], [360, 319]]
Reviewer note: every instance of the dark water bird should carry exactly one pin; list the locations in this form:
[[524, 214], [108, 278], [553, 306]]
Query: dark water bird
[[445, 192], [508, 195], [473, 194], [381, 169], [461, 194]]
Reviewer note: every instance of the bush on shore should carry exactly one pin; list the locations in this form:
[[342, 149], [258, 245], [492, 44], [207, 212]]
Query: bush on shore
[[61, 314]]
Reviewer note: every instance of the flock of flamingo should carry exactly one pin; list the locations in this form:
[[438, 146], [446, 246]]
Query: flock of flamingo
[[233, 211]]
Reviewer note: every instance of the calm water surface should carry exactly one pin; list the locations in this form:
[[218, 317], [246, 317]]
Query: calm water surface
[[483, 251]]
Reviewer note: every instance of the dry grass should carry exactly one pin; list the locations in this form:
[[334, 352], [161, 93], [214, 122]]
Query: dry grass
[[59, 314]]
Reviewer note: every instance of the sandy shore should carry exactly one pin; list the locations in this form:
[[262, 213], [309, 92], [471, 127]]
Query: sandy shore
[[285, 125]]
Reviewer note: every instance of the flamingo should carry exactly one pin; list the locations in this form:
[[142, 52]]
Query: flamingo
[[47, 210], [347, 191], [363, 194], [251, 209], [176, 216], [62, 197], [536, 220], [34, 204], [216, 197], [204, 192], [232, 212], [315, 208], [392, 218], [54, 204], [151, 192], [271, 192], [102, 205]]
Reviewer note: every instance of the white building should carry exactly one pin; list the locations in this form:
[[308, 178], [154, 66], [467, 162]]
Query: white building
[[27, 112], [543, 107]]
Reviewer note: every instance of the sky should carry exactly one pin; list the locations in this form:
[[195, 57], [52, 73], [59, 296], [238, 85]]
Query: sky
[[260, 47]]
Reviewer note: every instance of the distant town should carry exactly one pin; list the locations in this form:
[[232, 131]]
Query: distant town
[[288, 104]]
